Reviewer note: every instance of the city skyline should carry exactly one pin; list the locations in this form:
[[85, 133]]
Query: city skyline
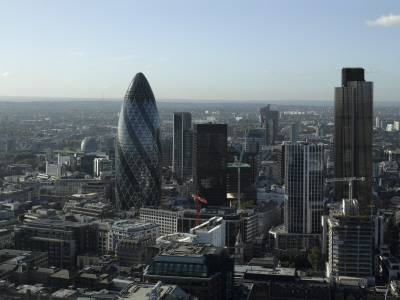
[[189, 50]]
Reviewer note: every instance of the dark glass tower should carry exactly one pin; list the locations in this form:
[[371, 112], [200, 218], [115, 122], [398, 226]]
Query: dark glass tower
[[269, 119], [353, 136], [210, 161], [183, 146], [138, 149]]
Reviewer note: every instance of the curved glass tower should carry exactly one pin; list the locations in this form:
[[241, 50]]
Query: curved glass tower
[[138, 148]]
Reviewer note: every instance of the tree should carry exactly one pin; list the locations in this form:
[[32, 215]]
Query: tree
[[315, 258]]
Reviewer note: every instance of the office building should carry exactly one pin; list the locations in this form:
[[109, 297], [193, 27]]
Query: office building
[[102, 166], [304, 178], [138, 149], [209, 162], [133, 251], [111, 232], [166, 219], [269, 120], [353, 136], [348, 244], [211, 232], [62, 240], [254, 135], [294, 133], [303, 206], [378, 121], [183, 146], [202, 270]]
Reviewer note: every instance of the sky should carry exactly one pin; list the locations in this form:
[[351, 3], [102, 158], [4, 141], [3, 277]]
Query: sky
[[198, 49]]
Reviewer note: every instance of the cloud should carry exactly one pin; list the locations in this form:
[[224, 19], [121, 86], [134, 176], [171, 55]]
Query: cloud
[[385, 21], [5, 74], [149, 65]]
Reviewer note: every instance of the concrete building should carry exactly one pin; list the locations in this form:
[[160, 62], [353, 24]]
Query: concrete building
[[68, 187], [348, 244], [166, 219], [101, 166], [134, 251], [111, 232], [202, 270], [62, 240], [158, 290], [211, 232]]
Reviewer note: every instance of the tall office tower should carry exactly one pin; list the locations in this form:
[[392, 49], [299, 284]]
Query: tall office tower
[[294, 133], [210, 161], [138, 148], [378, 122], [254, 135], [304, 180], [319, 130], [269, 119], [183, 146], [353, 136]]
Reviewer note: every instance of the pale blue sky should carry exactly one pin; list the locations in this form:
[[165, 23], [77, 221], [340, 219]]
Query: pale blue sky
[[193, 49]]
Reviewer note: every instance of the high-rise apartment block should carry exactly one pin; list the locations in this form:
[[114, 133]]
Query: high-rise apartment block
[[353, 136], [210, 162], [183, 146]]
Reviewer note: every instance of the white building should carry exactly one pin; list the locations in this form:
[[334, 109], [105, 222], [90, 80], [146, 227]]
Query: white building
[[212, 232], [166, 219], [101, 166], [110, 233]]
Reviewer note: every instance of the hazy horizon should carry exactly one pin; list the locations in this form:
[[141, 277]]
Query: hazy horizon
[[198, 50]]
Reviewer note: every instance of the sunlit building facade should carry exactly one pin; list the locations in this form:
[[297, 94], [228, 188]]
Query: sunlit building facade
[[138, 149]]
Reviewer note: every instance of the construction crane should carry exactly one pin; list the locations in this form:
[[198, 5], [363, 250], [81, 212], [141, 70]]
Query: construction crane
[[198, 199], [239, 164], [349, 180]]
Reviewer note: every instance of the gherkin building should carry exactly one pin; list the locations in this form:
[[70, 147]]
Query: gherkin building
[[138, 148]]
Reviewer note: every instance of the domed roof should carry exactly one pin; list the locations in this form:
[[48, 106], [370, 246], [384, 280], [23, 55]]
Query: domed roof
[[89, 144]]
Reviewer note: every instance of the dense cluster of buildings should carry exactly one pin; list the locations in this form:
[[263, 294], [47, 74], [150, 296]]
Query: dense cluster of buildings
[[269, 203]]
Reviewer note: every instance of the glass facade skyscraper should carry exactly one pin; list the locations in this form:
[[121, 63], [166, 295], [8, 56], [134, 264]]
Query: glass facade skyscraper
[[304, 181], [353, 136], [138, 149], [210, 161], [183, 146], [269, 119]]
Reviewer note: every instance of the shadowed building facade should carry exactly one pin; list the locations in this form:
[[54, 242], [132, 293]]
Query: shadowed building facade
[[353, 136], [269, 119], [210, 161], [138, 149], [183, 146]]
